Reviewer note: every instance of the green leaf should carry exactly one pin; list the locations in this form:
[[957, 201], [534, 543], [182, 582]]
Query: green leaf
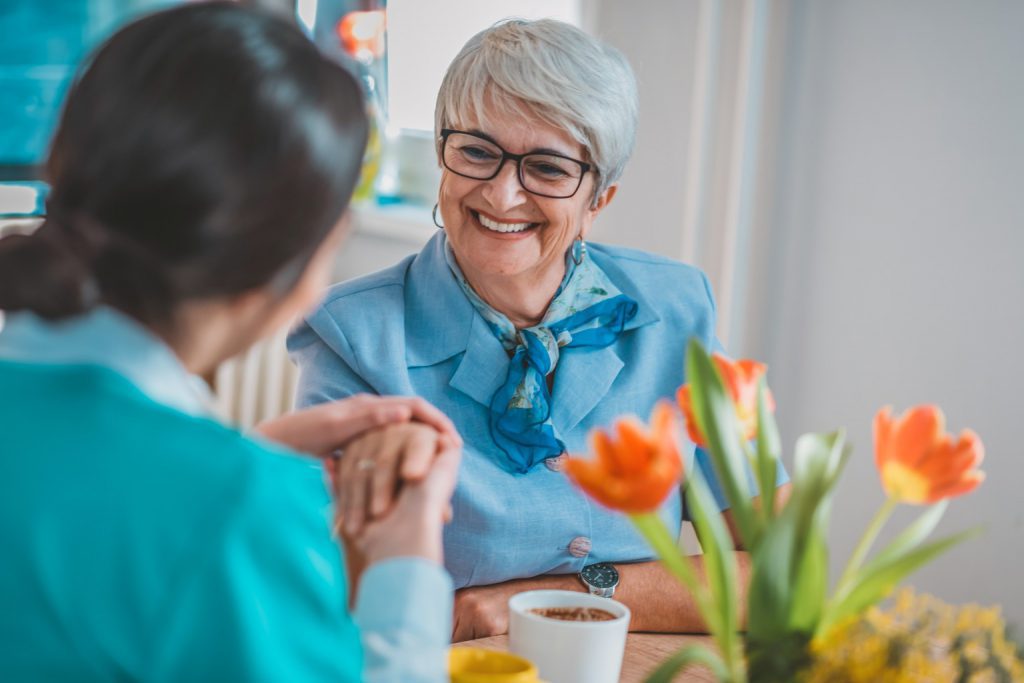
[[810, 586], [878, 578], [716, 416], [770, 596], [768, 450], [691, 654], [789, 580], [720, 568], [653, 529], [913, 535]]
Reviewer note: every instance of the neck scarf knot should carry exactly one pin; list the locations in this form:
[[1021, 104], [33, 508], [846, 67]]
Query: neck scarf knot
[[587, 311]]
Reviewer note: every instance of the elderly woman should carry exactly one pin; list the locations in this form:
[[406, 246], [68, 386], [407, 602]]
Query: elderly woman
[[522, 333]]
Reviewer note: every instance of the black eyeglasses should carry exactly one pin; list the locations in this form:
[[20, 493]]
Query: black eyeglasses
[[547, 174]]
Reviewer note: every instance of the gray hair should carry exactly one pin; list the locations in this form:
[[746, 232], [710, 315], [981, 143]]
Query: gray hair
[[551, 71]]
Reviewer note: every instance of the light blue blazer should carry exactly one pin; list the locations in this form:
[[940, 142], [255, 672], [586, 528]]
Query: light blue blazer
[[410, 330]]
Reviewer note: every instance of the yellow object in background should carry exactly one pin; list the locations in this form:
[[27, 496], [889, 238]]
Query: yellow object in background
[[371, 160], [477, 665]]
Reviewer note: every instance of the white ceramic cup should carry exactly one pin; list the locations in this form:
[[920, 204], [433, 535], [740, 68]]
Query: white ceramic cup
[[568, 651]]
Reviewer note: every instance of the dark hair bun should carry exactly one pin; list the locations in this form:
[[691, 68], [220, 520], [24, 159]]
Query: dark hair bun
[[42, 275]]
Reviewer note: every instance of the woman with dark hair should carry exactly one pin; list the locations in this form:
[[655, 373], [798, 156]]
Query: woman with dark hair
[[200, 173]]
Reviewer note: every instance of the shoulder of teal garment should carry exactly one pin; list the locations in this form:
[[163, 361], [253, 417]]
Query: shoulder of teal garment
[[215, 548], [587, 310]]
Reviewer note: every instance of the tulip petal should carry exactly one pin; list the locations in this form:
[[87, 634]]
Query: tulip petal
[[965, 484], [917, 430], [633, 448], [919, 462], [883, 436], [634, 469], [685, 402], [604, 450]]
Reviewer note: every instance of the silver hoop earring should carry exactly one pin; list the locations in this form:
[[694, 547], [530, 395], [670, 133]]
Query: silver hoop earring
[[579, 251], [433, 215]]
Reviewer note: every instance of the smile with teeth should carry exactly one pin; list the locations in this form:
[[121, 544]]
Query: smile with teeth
[[497, 226]]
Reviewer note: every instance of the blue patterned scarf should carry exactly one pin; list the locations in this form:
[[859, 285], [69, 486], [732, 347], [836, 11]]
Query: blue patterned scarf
[[587, 311]]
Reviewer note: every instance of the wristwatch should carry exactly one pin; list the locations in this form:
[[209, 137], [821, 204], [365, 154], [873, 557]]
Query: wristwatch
[[601, 579]]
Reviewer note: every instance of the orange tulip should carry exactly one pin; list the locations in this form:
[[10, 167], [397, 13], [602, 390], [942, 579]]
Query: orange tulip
[[362, 34], [635, 470], [919, 462], [740, 378]]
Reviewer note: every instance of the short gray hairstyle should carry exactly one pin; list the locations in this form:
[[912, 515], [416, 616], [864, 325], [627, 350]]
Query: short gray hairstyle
[[552, 71]]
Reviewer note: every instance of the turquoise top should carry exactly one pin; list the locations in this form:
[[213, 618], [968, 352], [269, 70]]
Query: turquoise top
[[143, 540]]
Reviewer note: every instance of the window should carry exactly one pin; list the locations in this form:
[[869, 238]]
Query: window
[[424, 37], [41, 47]]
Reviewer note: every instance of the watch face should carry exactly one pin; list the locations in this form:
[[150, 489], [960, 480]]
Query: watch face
[[601, 575]]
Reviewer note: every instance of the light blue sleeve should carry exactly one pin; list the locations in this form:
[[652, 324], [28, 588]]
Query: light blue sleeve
[[404, 613], [324, 373]]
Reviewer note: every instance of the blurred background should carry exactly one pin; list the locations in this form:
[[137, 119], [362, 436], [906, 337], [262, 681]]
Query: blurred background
[[849, 173]]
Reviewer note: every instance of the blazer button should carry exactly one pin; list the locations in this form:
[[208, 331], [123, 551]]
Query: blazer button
[[580, 546], [556, 463]]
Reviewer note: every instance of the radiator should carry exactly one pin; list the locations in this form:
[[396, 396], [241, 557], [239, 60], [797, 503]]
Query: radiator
[[256, 385]]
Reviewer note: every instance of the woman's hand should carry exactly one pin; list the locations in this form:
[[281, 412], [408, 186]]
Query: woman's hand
[[412, 526], [369, 476], [329, 427]]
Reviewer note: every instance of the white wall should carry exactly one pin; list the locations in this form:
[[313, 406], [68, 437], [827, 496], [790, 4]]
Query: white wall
[[886, 258], [892, 270]]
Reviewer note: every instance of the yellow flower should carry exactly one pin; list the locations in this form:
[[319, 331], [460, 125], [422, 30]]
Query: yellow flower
[[919, 639]]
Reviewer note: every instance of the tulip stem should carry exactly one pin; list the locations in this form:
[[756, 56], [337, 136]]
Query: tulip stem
[[671, 555], [667, 548], [866, 541]]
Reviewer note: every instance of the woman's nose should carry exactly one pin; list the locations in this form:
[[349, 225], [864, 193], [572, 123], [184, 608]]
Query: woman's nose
[[503, 191]]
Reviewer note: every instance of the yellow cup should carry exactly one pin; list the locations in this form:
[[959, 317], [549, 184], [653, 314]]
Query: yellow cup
[[477, 665]]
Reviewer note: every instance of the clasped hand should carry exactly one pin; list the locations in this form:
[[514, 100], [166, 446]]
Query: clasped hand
[[394, 478]]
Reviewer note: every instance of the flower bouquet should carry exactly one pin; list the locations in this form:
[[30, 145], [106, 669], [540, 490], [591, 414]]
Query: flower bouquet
[[790, 610]]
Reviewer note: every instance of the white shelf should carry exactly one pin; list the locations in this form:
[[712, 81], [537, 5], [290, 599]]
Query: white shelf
[[400, 222]]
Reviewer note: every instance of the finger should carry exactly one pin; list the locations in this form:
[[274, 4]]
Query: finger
[[352, 498], [461, 628], [418, 454], [433, 494], [425, 412], [350, 421], [342, 480], [385, 476], [443, 475]]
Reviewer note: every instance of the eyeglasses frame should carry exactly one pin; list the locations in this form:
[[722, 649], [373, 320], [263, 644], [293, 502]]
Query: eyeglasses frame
[[517, 158]]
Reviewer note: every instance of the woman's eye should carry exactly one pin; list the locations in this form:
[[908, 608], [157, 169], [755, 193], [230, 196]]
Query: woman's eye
[[478, 153], [547, 170]]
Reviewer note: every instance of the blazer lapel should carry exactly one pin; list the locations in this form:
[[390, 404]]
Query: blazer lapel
[[442, 323], [439, 318], [582, 379], [483, 367]]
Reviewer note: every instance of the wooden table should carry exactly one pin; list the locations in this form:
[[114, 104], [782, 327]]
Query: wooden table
[[644, 651]]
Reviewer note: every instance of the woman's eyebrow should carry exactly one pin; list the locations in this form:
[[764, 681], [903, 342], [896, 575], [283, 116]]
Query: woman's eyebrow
[[538, 150], [548, 150], [480, 134]]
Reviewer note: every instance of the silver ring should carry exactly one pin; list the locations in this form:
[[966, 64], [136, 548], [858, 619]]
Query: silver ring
[[365, 464]]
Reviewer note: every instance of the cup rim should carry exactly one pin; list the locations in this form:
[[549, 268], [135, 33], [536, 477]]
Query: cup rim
[[530, 616]]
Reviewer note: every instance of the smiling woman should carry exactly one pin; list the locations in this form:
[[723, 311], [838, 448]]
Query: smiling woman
[[522, 333]]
